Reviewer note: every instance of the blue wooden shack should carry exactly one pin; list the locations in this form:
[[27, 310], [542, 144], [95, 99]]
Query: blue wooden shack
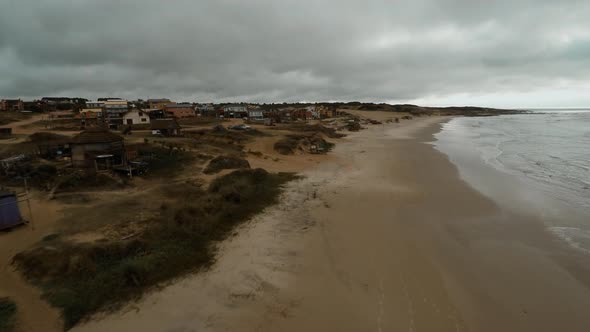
[[9, 212]]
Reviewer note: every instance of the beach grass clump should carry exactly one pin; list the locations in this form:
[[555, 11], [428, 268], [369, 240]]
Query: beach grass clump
[[165, 161], [83, 279], [288, 145], [312, 129], [7, 314], [225, 162]]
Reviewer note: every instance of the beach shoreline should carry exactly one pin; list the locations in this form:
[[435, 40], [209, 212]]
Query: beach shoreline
[[384, 236]]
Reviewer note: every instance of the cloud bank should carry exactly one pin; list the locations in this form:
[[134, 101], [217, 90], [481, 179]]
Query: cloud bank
[[501, 53]]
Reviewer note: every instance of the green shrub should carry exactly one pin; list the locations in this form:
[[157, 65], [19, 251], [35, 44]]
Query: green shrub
[[7, 314], [225, 162], [288, 145], [83, 279]]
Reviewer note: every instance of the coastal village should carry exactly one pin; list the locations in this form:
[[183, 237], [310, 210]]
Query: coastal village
[[103, 200], [79, 176]]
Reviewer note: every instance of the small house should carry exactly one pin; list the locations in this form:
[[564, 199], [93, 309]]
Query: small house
[[136, 117], [97, 148], [166, 127], [9, 212]]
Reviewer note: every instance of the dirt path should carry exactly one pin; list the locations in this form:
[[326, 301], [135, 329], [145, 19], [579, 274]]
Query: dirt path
[[18, 127], [34, 314]]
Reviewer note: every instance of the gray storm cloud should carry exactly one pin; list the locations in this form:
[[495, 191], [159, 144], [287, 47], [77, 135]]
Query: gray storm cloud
[[431, 51]]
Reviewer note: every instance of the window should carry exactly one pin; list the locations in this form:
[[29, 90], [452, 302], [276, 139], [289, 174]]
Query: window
[[143, 120]]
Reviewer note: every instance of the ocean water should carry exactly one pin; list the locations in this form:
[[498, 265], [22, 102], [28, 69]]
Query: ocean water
[[544, 158]]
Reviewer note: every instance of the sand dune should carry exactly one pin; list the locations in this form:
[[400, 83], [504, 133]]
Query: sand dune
[[384, 237]]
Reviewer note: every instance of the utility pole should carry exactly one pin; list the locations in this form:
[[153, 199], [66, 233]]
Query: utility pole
[[28, 199]]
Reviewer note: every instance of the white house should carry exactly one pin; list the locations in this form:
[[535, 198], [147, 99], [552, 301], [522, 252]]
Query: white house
[[315, 113], [255, 114], [136, 117], [235, 111]]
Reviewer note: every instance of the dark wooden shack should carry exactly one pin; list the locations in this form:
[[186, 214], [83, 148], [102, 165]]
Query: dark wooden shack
[[99, 149]]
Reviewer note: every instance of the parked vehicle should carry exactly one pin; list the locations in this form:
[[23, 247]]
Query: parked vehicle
[[240, 127]]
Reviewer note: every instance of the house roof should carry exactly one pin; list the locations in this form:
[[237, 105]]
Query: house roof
[[96, 135], [141, 112], [160, 124], [179, 106], [4, 194]]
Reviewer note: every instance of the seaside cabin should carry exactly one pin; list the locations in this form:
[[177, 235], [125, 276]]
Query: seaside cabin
[[9, 212], [165, 127], [97, 149]]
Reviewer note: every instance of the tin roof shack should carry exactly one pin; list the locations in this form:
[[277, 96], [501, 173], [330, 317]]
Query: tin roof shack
[[98, 149], [166, 127], [9, 212]]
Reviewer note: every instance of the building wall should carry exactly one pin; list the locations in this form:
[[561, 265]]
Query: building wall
[[158, 104], [255, 114], [94, 104], [116, 108], [184, 112], [97, 111]]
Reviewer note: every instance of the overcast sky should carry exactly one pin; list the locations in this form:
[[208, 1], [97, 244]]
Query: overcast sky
[[517, 53]]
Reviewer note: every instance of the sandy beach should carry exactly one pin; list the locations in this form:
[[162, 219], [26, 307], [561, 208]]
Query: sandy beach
[[383, 237]]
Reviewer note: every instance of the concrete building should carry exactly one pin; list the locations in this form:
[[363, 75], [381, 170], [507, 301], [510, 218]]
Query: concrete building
[[113, 111], [158, 104]]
